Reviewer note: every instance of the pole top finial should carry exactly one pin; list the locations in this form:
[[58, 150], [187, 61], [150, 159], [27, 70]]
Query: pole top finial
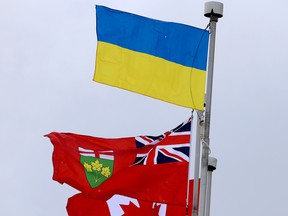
[[213, 9]]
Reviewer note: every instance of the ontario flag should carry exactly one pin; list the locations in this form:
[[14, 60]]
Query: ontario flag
[[148, 168]]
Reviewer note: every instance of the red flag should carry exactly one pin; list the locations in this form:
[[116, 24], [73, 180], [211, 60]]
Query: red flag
[[80, 205], [151, 168]]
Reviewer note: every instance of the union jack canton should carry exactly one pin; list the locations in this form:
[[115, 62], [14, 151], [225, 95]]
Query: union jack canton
[[172, 146]]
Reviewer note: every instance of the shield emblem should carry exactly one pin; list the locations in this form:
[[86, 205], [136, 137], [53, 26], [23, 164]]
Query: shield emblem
[[98, 166]]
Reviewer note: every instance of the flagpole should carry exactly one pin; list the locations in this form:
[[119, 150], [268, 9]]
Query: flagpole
[[212, 163], [213, 10], [197, 163], [192, 154]]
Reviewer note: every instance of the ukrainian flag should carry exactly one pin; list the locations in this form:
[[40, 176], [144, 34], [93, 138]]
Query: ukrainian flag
[[163, 60]]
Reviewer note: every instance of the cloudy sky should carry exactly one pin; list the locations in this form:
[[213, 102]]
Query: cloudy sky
[[47, 55]]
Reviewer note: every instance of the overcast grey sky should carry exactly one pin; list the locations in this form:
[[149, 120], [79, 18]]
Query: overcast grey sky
[[47, 55]]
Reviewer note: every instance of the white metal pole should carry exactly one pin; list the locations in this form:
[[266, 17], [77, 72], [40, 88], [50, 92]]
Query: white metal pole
[[213, 10], [197, 165], [212, 162], [192, 154]]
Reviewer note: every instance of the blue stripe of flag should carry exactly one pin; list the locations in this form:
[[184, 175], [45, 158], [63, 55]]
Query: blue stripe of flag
[[179, 43]]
